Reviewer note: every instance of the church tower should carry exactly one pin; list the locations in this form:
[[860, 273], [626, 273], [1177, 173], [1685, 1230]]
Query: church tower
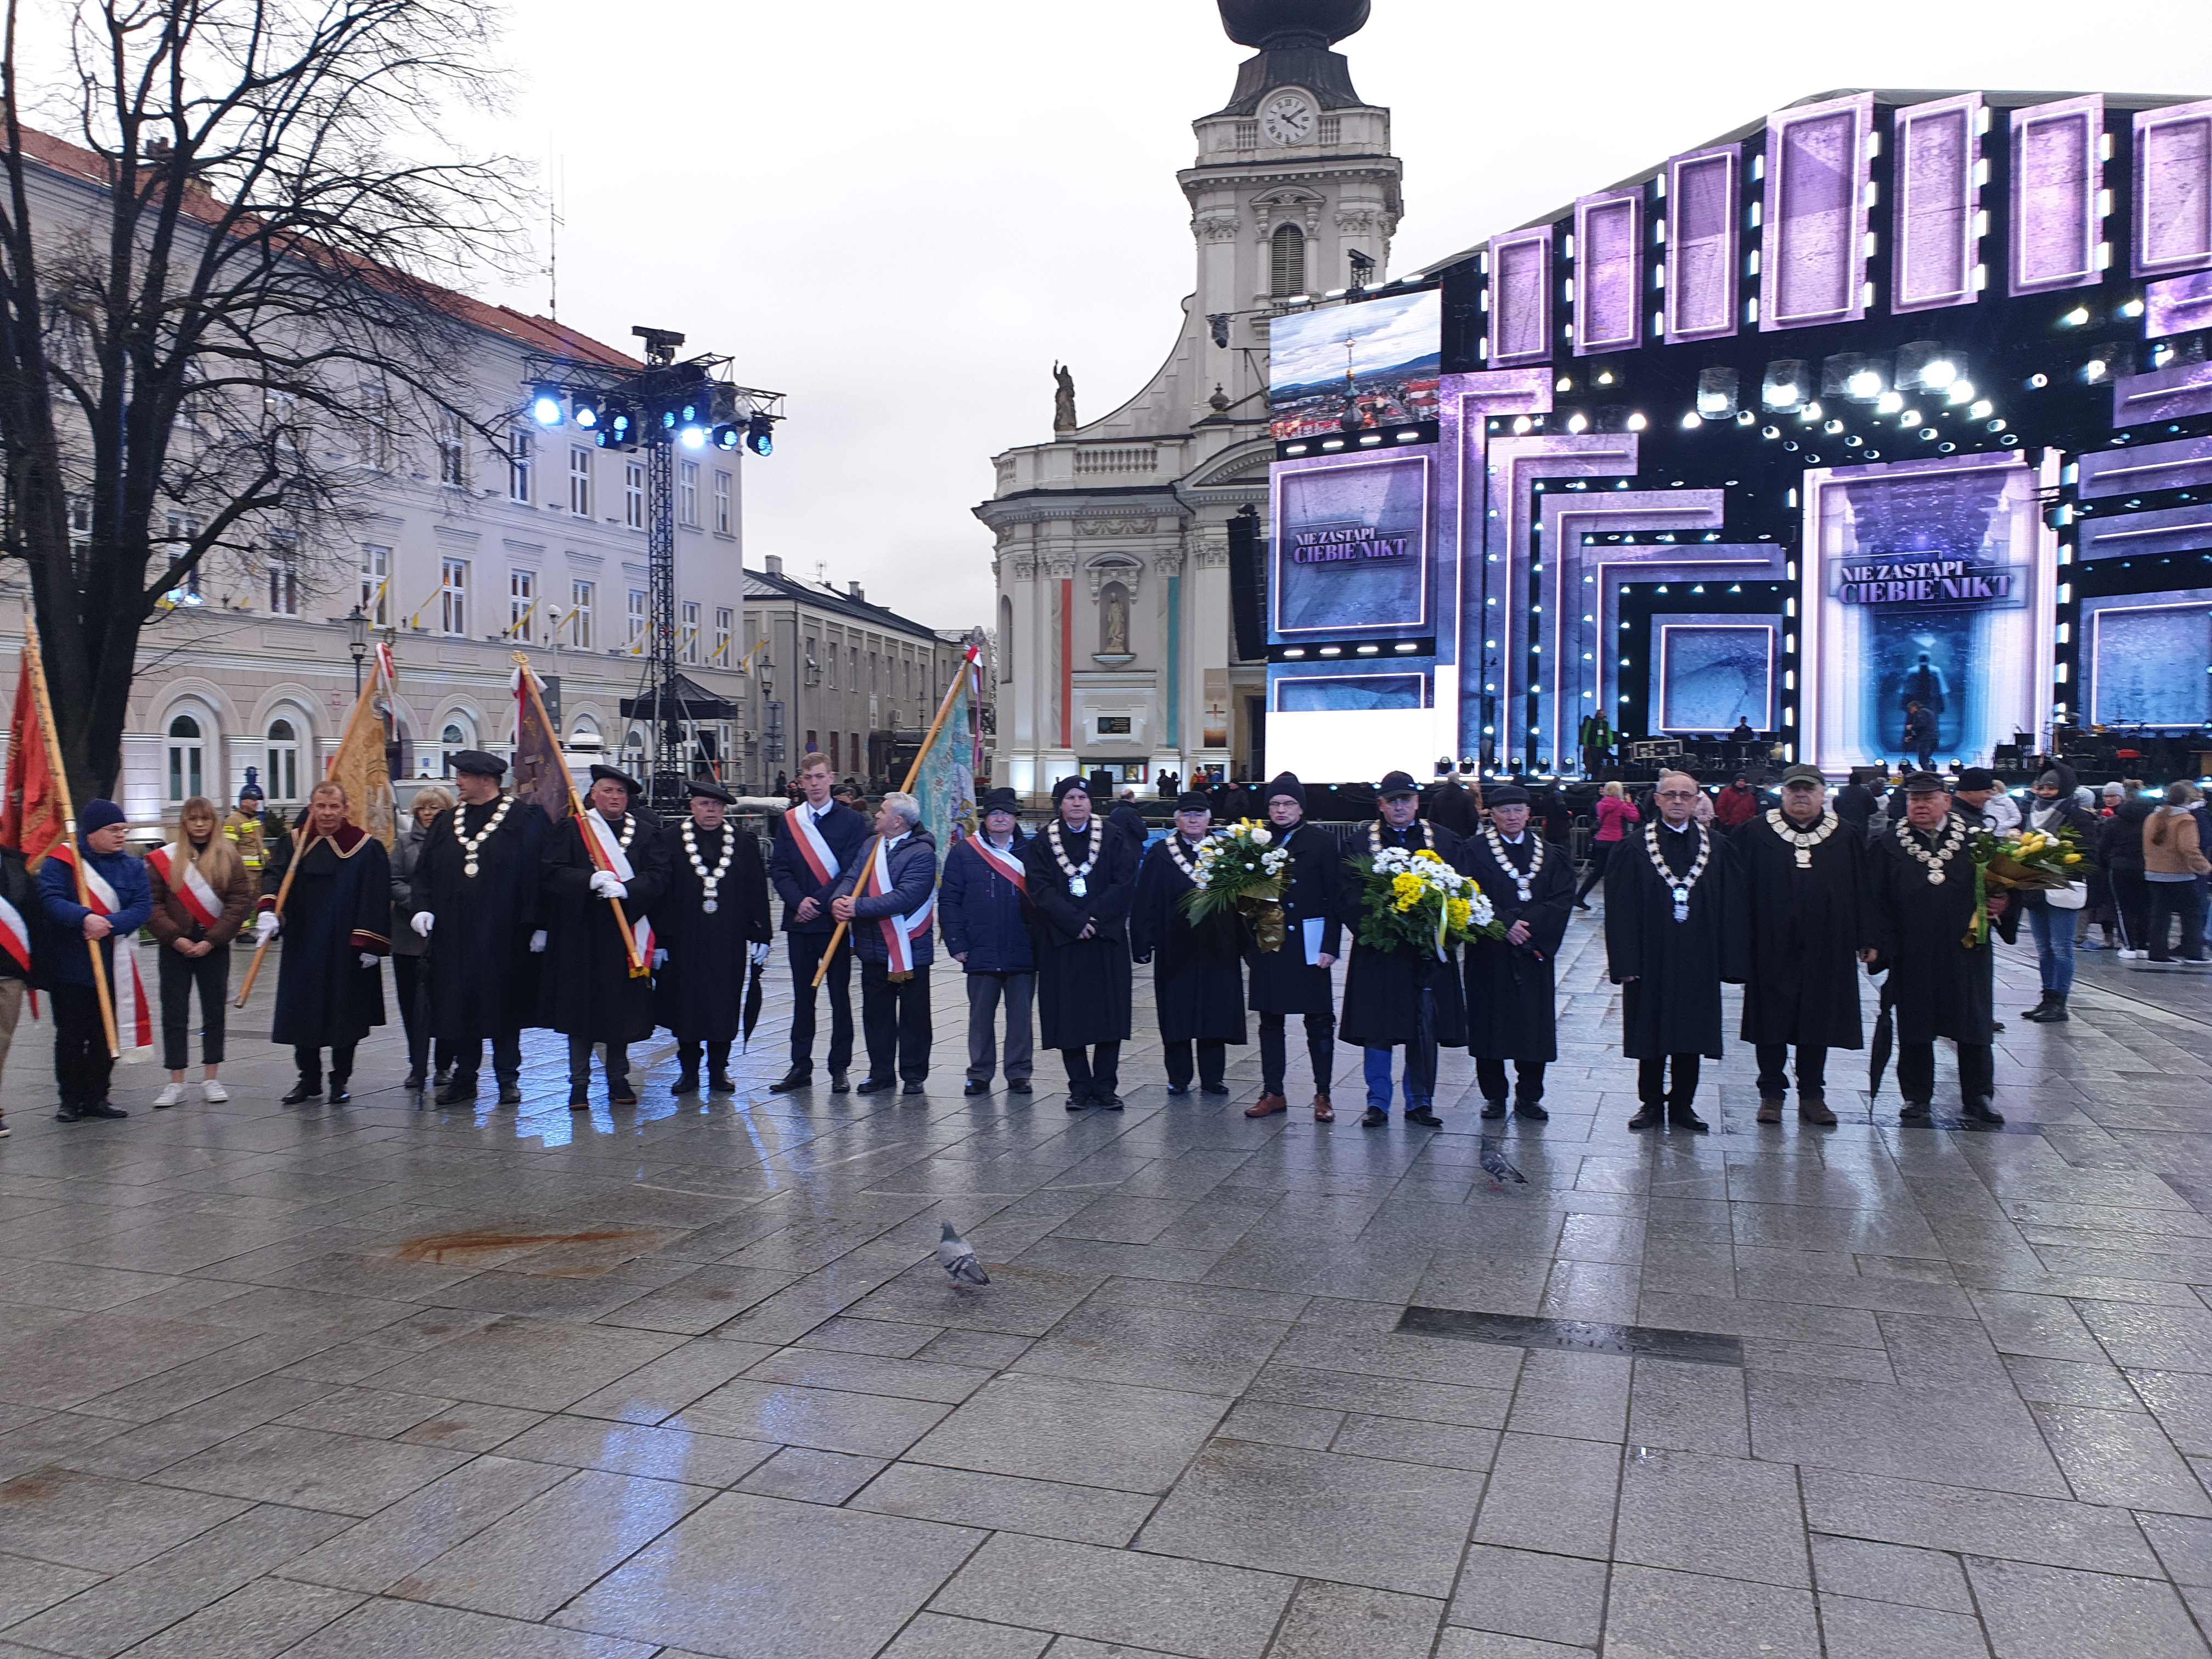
[[1115, 646]]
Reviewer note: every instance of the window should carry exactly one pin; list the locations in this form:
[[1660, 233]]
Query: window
[[283, 564], [580, 481], [454, 598], [858, 758], [451, 742], [831, 657], [1006, 640], [637, 622], [521, 463], [687, 494], [183, 526], [687, 646], [836, 764], [452, 450], [521, 600], [722, 516], [1286, 262], [376, 584], [376, 426], [580, 596], [725, 624], [283, 753], [186, 773], [634, 496]]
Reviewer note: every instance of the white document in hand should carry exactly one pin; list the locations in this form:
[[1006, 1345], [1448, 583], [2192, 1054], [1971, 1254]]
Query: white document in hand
[[1312, 926]]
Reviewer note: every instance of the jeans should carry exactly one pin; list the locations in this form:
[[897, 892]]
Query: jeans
[[2169, 899], [1600, 855], [1915, 1071], [82, 1062], [805, 957], [1420, 1080], [179, 974], [2054, 947], [1212, 1062], [1528, 1080], [1774, 1070], [985, 993], [896, 1014], [1274, 1051]]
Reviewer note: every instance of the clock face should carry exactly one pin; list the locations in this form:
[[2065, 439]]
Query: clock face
[[1287, 119]]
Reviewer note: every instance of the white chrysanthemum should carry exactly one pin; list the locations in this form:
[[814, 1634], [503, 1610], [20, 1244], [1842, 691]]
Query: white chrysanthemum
[[1479, 911]]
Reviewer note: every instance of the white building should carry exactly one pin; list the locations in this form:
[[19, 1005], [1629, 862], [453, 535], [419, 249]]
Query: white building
[[1115, 648]]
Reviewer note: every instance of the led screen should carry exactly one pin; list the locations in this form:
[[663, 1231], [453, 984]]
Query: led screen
[[1356, 366], [1351, 546]]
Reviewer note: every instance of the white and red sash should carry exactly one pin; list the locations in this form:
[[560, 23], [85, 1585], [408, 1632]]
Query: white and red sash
[[15, 936], [899, 932], [197, 896], [807, 835], [619, 861], [1006, 864], [134, 1018]]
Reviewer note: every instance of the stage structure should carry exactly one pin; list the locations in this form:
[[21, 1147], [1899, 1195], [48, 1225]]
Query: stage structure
[[1885, 397]]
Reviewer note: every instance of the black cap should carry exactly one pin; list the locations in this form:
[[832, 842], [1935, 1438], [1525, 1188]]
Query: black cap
[[1194, 800], [1802, 773], [1397, 783], [1286, 783], [1504, 795], [1001, 800], [1925, 783], [710, 790], [615, 774], [1060, 790], [477, 761], [1978, 777]]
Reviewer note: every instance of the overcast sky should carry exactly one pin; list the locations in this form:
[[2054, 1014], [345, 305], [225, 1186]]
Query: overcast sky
[[902, 214]]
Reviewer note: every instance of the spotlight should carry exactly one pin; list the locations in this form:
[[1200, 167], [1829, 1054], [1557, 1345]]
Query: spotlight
[[618, 427], [545, 405], [1716, 393], [583, 407], [1863, 383], [1889, 403], [728, 436], [1960, 392], [760, 435], [2075, 318], [1637, 424], [1783, 388], [693, 436]]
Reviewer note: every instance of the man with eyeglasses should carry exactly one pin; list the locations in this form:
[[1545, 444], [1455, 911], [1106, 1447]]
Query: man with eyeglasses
[[1664, 892]]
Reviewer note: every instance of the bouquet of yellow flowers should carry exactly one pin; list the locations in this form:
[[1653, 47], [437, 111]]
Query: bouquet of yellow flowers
[[2040, 862], [1415, 901], [1242, 869]]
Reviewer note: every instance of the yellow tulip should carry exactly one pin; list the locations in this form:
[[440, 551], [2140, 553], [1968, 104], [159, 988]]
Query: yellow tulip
[[2073, 857]]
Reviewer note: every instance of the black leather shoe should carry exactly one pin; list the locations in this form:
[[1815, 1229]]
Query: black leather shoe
[[510, 1094], [620, 1092], [580, 1100], [1425, 1118], [339, 1093], [1530, 1110], [837, 1084], [1078, 1103], [1647, 1116], [1686, 1117], [460, 1089], [975, 1086], [687, 1083], [869, 1085], [1374, 1118], [1980, 1111], [1178, 1089], [721, 1084], [412, 1083], [1020, 1085], [109, 1109], [1107, 1102], [302, 1091], [797, 1078], [913, 1086], [1494, 1109], [1213, 1088], [1913, 1111], [444, 1076], [66, 1113]]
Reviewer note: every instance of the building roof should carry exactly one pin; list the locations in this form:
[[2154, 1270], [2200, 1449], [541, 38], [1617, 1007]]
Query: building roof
[[765, 586]]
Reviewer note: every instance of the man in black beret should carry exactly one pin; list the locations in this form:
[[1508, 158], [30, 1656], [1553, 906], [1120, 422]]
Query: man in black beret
[[1512, 1010], [475, 898], [714, 923], [590, 995], [1198, 974], [1082, 878], [1397, 998]]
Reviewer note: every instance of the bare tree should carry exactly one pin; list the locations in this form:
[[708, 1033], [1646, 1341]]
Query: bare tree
[[219, 294]]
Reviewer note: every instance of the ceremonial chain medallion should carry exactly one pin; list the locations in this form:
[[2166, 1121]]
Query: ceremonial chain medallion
[[1683, 885], [710, 880], [1803, 840], [470, 843], [1174, 851], [1375, 836], [1940, 856], [1525, 884], [1077, 886]]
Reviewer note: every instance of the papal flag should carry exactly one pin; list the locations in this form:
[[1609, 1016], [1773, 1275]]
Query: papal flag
[[541, 776], [361, 764]]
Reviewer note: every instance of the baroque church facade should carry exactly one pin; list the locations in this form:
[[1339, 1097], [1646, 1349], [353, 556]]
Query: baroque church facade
[[1116, 648]]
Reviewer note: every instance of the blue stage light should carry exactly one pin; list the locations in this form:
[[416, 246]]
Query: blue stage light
[[545, 405]]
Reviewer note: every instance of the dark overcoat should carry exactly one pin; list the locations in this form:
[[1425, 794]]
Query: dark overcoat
[[1511, 1005], [1288, 980], [794, 879], [1939, 986], [588, 991], [1383, 987], [1670, 971], [698, 994], [483, 979], [1082, 984], [339, 907], [1198, 968], [1793, 935]]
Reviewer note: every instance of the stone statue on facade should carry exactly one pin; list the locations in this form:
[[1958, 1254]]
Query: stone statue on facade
[[1063, 400]]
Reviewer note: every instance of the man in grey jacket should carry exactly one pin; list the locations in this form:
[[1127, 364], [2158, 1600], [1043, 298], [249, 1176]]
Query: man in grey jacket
[[888, 897]]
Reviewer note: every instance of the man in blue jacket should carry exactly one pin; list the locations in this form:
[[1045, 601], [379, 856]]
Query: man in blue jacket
[[888, 897], [122, 901], [980, 913], [816, 841]]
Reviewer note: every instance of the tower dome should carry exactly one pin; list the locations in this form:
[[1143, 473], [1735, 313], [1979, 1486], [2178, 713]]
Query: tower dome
[[1274, 25]]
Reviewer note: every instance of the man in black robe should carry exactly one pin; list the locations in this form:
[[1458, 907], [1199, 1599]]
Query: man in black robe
[[1799, 924], [590, 995], [329, 983], [1395, 997], [1511, 1010], [1663, 939], [475, 903], [1198, 974], [1940, 983], [1295, 980], [1082, 879], [713, 922]]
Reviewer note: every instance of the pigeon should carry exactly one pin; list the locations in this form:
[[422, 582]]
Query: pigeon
[[957, 1257], [1494, 1162]]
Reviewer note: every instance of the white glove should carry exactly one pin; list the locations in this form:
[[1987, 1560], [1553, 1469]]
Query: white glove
[[423, 922], [264, 925], [661, 958], [537, 942], [760, 955], [368, 958], [605, 883]]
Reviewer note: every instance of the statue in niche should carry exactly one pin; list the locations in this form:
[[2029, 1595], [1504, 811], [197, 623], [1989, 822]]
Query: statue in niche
[[1114, 621], [1063, 400]]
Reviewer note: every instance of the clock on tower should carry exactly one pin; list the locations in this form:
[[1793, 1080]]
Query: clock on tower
[[1287, 119]]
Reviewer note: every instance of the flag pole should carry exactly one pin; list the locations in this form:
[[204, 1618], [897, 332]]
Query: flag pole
[[944, 709], [638, 967], [69, 823]]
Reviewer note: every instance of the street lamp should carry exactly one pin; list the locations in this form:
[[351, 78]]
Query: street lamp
[[358, 643]]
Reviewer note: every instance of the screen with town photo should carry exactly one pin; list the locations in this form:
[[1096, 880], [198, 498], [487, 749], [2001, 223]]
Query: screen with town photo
[[1356, 367]]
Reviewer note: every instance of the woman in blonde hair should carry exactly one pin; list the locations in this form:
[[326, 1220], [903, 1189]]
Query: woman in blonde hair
[[203, 893], [1615, 812]]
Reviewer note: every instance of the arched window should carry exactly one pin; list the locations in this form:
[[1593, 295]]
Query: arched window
[[454, 738], [283, 753], [1114, 620], [187, 768], [1286, 262], [585, 734], [1005, 640]]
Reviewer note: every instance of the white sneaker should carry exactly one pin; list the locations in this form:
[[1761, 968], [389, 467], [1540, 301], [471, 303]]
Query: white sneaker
[[170, 1095], [214, 1093]]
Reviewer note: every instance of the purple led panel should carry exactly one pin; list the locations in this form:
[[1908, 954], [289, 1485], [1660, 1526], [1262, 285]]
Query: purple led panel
[[1932, 242], [2173, 189], [1813, 265], [2179, 305], [2055, 174], [1609, 272], [2173, 393], [1521, 297], [1703, 235]]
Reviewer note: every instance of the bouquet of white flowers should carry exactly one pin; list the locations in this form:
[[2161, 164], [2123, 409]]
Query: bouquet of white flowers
[[1244, 869], [1415, 901]]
